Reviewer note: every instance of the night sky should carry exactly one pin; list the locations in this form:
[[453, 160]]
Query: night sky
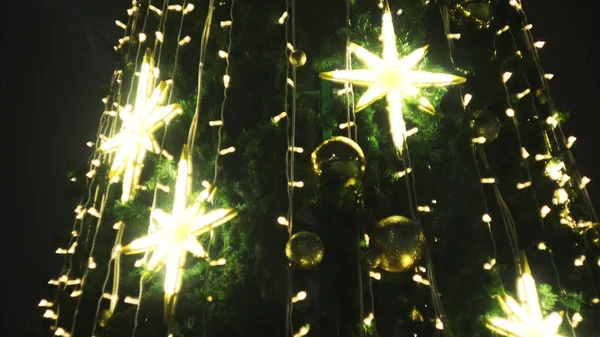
[[57, 55]]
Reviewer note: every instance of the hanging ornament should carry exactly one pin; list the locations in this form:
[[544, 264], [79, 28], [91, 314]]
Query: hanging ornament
[[304, 250], [398, 241], [178, 233], [297, 58], [485, 124], [339, 156], [139, 124], [525, 317], [391, 77], [477, 12]]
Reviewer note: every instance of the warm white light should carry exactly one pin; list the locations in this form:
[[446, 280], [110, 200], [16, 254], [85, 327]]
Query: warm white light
[[548, 76], [488, 180], [296, 149], [215, 123], [91, 263], [542, 246], [223, 54], [228, 150], [403, 173], [45, 303], [189, 8], [578, 262], [298, 184], [139, 124], [390, 77], [540, 157], [121, 24], [560, 196], [225, 23], [178, 233], [61, 332], [506, 76], [424, 209], [510, 112], [419, 279], [303, 331], [155, 10], [131, 300], [528, 27], [439, 324], [467, 99], [90, 144], [525, 318], [479, 140], [454, 36], [516, 4], [342, 126], [486, 218], [177, 8], [185, 40], [282, 18], [375, 275], [369, 319], [277, 118], [523, 93], [159, 36], [502, 30], [299, 297], [544, 211], [570, 141], [576, 319], [226, 80], [539, 44], [142, 37], [50, 314], [524, 153], [94, 212], [584, 181]]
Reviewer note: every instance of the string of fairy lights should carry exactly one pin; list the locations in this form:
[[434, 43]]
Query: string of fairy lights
[[552, 121], [90, 213], [106, 125]]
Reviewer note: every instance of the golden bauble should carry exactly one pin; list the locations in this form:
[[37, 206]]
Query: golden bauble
[[398, 241], [339, 156], [485, 124], [304, 250], [476, 12], [297, 58]]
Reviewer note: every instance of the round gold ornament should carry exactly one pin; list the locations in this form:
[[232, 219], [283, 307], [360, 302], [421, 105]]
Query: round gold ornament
[[485, 124], [476, 12], [297, 58], [398, 241], [340, 156], [304, 250]]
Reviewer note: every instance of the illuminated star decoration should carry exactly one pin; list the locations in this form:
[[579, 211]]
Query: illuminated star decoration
[[178, 233], [138, 126], [391, 77], [525, 317]]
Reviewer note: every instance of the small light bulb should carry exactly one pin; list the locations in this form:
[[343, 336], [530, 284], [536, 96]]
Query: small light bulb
[[510, 112], [467, 99], [539, 44], [486, 218], [454, 36], [523, 93], [584, 181], [506, 76], [544, 211], [185, 40], [282, 18], [542, 246]]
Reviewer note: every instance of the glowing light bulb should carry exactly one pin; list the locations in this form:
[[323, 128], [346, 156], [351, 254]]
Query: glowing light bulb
[[539, 44], [282, 18], [486, 218], [506, 76], [467, 99], [510, 113], [542, 246], [544, 211], [185, 40]]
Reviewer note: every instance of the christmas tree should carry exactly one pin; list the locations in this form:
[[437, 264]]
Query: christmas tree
[[355, 168]]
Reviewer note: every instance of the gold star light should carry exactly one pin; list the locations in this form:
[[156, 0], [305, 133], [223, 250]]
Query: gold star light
[[178, 233], [391, 77], [138, 126], [525, 317]]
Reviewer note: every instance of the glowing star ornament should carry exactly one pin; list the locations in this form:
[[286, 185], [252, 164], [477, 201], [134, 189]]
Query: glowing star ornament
[[178, 233], [525, 317], [391, 77], [138, 126]]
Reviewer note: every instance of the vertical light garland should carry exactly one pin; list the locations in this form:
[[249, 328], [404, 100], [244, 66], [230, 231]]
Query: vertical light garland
[[88, 207]]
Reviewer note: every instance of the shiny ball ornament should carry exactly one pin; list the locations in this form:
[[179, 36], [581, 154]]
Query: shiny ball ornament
[[398, 241], [297, 58], [476, 12], [304, 250], [339, 156], [485, 124]]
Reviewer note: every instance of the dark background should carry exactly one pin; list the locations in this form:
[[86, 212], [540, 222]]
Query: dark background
[[57, 55]]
